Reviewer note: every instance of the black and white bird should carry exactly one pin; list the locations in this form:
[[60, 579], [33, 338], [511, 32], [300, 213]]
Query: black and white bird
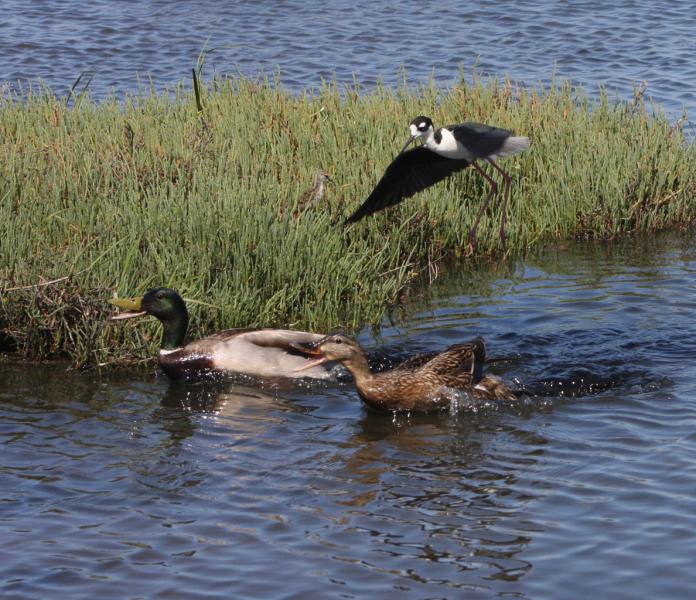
[[444, 151]]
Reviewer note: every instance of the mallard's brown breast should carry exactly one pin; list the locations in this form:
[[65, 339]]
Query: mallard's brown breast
[[184, 364]]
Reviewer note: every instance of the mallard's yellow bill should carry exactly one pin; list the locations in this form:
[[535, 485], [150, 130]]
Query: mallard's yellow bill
[[132, 306]]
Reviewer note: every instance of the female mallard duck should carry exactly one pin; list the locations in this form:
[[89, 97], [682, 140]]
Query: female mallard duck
[[259, 352], [418, 384]]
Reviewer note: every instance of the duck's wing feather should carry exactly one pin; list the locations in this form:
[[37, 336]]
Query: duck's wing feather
[[282, 339], [414, 362], [408, 174], [465, 360]]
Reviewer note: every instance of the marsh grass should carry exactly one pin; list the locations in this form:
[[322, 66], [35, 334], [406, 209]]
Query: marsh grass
[[199, 191]]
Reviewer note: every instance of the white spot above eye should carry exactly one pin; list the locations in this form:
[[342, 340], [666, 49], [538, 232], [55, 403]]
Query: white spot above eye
[[422, 125]]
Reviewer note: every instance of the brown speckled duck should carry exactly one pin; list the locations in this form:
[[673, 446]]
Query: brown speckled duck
[[257, 352], [420, 383]]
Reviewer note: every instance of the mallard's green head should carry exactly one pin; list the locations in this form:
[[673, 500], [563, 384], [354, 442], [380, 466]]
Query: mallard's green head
[[165, 304]]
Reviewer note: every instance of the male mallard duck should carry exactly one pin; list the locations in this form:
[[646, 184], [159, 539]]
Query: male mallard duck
[[259, 352], [419, 383]]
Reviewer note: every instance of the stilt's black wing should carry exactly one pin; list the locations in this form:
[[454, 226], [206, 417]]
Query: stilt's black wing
[[479, 139], [408, 174]]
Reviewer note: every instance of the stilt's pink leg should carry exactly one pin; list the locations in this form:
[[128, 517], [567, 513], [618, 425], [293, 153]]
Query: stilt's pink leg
[[491, 193], [506, 199]]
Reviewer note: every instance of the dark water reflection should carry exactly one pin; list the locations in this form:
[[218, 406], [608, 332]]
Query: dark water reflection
[[128, 486], [130, 45]]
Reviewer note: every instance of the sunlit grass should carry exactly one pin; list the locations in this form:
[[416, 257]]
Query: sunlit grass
[[200, 193]]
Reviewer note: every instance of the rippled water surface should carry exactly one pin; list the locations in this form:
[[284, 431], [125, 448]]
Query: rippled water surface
[[121, 43], [127, 486]]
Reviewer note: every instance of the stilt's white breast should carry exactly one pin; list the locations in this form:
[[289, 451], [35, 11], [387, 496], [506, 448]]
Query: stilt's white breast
[[448, 146]]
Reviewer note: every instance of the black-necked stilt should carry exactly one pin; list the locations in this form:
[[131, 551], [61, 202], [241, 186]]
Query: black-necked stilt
[[444, 152]]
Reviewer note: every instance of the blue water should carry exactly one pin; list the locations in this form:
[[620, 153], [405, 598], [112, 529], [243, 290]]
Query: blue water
[[126, 486], [122, 485], [124, 45]]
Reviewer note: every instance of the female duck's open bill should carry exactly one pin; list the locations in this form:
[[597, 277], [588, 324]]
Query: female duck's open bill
[[311, 363], [310, 349]]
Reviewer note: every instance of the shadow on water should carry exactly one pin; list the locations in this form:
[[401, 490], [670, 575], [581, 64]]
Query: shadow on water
[[183, 403], [210, 486], [436, 492], [339, 478]]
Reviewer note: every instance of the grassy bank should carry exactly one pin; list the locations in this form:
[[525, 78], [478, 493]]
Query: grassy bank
[[121, 196]]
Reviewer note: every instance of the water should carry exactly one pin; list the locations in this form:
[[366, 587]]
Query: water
[[124, 485], [127, 44], [128, 486]]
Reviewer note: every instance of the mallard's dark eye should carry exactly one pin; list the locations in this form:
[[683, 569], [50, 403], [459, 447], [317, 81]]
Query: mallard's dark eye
[[159, 295], [339, 341]]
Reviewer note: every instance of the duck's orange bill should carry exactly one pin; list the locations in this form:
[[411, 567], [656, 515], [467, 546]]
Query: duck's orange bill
[[131, 306], [311, 363]]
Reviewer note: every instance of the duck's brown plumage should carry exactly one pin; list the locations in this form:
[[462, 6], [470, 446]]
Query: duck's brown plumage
[[420, 383]]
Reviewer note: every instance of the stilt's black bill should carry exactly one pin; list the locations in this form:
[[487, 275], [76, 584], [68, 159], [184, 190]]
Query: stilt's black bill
[[407, 144]]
